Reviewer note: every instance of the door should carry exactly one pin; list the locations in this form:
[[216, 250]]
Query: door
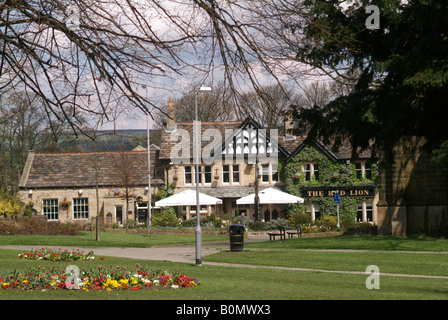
[[119, 215]]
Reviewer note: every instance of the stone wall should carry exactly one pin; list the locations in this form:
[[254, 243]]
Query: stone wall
[[413, 196]]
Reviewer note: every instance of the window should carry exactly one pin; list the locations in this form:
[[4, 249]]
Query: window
[[363, 170], [265, 172], [50, 209], [359, 213], [236, 174], [231, 174], [316, 171], [369, 211], [226, 174], [365, 212], [317, 214], [274, 169], [310, 170], [367, 170], [199, 175], [269, 173], [188, 175], [358, 170], [307, 171], [81, 208], [208, 174]]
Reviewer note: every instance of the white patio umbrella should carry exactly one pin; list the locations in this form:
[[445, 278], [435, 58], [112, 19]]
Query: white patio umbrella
[[187, 198], [270, 196]]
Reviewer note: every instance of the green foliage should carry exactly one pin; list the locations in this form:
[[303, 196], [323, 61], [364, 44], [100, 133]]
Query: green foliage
[[10, 205], [297, 215], [327, 169], [399, 71], [166, 217]]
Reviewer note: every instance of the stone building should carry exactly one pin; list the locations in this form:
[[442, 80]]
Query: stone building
[[228, 162], [413, 194], [400, 191], [76, 187]]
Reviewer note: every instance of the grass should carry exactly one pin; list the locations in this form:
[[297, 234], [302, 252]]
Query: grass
[[402, 263], [228, 283], [388, 243], [107, 239], [236, 283]]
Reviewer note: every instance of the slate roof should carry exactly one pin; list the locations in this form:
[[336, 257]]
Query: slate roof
[[65, 170], [336, 153], [232, 192]]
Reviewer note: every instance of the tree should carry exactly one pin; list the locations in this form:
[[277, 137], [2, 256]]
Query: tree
[[268, 106], [87, 57], [216, 105], [398, 72]]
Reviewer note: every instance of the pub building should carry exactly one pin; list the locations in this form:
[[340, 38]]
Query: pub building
[[316, 172]]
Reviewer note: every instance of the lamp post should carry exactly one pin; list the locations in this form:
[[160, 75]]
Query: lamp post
[[149, 165], [198, 230]]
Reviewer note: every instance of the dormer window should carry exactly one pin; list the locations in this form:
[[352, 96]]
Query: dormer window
[[311, 170]]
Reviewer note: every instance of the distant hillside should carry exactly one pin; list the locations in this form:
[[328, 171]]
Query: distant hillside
[[110, 140]]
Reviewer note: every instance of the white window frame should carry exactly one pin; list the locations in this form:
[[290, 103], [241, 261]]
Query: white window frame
[[269, 173], [230, 172], [365, 207], [312, 171], [365, 169], [191, 173], [204, 173], [53, 209], [79, 209]]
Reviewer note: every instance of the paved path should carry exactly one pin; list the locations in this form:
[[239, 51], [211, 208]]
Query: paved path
[[187, 253]]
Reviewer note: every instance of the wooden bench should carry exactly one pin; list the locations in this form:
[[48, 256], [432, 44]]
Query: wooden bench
[[280, 234], [291, 234]]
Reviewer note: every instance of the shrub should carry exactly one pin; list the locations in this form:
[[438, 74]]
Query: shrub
[[33, 226], [165, 218], [299, 218], [256, 225], [327, 223], [362, 228], [275, 224], [211, 222]]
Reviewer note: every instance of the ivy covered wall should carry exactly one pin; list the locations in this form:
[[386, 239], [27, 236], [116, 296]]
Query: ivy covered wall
[[331, 174]]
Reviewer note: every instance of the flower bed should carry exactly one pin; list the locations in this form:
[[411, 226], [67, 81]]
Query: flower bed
[[108, 279], [57, 255]]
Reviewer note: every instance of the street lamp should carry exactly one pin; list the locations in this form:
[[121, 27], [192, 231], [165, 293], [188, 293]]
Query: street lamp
[[198, 214], [149, 165]]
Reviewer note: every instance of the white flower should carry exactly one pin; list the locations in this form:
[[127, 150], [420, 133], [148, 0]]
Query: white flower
[[175, 286]]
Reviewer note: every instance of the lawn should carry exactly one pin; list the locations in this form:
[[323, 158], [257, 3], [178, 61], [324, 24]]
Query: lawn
[[388, 243], [229, 283], [236, 283], [107, 239]]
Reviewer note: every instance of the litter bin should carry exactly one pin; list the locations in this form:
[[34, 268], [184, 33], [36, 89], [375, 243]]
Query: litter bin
[[236, 232]]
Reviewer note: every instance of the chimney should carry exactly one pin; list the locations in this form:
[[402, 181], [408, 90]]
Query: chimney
[[171, 117]]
